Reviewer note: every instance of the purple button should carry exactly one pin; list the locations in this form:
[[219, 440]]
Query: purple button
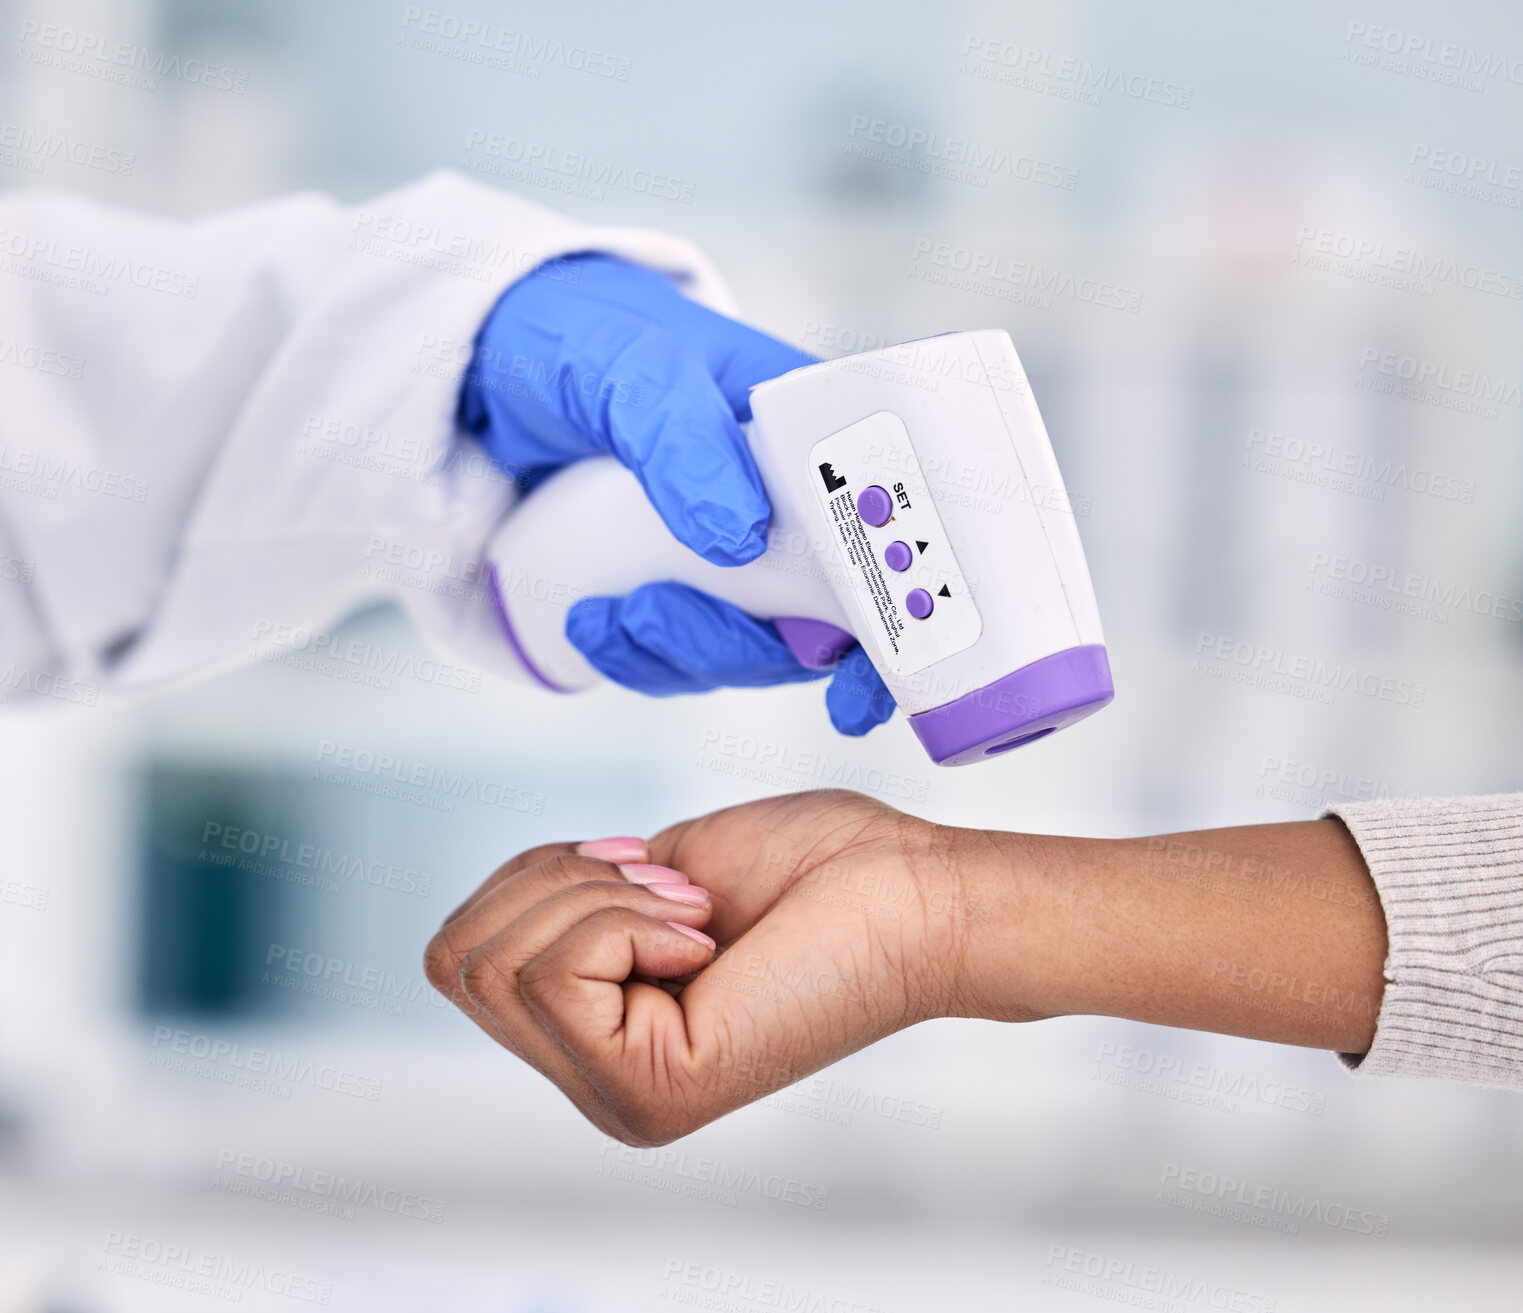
[[897, 556], [874, 505], [919, 603]]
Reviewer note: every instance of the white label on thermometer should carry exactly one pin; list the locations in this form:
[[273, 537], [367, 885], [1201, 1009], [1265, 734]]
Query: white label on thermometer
[[913, 605]]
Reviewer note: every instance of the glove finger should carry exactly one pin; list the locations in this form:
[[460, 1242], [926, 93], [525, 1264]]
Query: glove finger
[[856, 697], [684, 444], [593, 628], [589, 354], [736, 355], [539, 393], [710, 638], [544, 372], [740, 357], [666, 638]]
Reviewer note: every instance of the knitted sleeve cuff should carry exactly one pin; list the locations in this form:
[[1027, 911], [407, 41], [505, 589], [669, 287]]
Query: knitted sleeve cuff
[[1449, 872]]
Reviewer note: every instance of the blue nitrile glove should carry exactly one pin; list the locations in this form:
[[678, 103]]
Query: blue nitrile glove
[[668, 638], [590, 356]]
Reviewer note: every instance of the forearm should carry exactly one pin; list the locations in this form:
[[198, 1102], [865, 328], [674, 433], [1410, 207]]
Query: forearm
[[1272, 931]]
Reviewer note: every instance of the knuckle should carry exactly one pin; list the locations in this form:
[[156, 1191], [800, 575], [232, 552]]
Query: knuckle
[[441, 962], [617, 918], [569, 870], [538, 983], [524, 861], [479, 977], [602, 904], [545, 854]]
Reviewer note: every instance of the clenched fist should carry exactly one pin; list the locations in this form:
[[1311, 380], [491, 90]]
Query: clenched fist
[[663, 986]]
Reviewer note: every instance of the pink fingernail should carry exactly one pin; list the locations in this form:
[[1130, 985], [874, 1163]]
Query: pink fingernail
[[621, 848], [691, 894], [644, 873], [692, 934]]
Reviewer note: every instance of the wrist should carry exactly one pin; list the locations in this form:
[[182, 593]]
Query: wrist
[[1006, 913]]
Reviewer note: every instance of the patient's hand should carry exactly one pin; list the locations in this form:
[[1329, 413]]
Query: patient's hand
[[837, 919]]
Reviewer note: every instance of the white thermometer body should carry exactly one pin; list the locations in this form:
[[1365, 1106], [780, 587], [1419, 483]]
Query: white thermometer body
[[917, 509]]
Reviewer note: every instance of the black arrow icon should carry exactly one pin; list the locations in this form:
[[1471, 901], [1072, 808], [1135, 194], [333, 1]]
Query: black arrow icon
[[921, 545], [945, 591]]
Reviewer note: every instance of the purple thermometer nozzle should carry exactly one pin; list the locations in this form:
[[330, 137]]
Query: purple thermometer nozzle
[[1018, 708]]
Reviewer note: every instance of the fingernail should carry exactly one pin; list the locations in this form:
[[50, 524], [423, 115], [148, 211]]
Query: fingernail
[[690, 894], [621, 848], [644, 873], [693, 934]]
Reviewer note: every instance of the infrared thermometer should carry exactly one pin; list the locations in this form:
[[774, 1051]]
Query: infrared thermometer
[[917, 509]]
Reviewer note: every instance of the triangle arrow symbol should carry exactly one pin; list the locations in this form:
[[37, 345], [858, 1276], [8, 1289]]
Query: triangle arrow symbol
[[945, 592], [921, 545]]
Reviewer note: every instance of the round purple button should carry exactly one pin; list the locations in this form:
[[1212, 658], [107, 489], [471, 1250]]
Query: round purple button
[[897, 556], [874, 505], [919, 603]]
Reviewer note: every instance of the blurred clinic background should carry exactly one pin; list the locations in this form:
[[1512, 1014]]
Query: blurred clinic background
[[1264, 265]]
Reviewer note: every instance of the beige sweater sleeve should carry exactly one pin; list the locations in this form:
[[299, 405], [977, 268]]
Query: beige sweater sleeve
[[1449, 872]]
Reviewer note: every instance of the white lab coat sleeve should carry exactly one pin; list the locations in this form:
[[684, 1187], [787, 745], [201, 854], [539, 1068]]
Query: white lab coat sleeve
[[217, 435]]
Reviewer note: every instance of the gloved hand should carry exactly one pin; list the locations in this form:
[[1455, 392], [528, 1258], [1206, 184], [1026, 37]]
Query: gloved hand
[[591, 356]]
